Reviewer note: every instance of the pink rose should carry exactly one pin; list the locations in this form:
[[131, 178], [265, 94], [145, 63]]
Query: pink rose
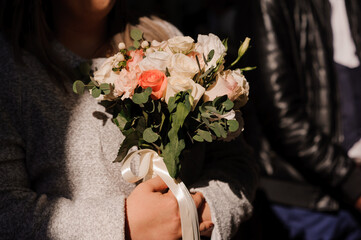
[[232, 83], [126, 82], [136, 57], [156, 80]]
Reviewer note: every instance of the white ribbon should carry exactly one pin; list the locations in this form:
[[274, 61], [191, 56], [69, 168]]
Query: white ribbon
[[151, 165]]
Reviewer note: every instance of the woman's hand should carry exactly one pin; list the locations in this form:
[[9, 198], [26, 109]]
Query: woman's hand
[[205, 221], [152, 212]]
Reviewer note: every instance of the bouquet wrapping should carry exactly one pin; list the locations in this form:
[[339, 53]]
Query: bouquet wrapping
[[164, 96]]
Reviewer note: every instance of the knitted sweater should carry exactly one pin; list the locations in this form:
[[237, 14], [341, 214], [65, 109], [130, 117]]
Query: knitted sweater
[[57, 176]]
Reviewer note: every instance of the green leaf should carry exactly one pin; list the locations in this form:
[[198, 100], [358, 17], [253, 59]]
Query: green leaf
[[136, 44], [245, 69], [131, 140], [171, 104], [78, 87], [228, 104], [121, 121], [218, 130], [136, 34], [96, 92], [180, 115], [233, 125], [141, 98], [219, 100], [131, 48], [171, 155], [198, 138], [210, 55], [150, 136], [205, 135], [105, 87]]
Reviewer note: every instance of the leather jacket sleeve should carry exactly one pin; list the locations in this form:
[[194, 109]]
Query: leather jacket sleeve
[[281, 106]]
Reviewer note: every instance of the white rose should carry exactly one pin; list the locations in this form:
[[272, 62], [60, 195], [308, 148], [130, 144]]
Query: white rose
[[180, 44], [156, 60], [177, 84], [182, 65], [105, 74], [233, 83], [160, 46], [207, 43]]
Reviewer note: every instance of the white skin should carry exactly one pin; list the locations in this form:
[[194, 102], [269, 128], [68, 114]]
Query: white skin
[[81, 26]]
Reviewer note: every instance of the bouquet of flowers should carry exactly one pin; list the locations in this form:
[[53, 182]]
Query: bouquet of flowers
[[164, 96]]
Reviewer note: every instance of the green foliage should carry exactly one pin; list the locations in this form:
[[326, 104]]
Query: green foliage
[[78, 87], [150, 136], [141, 98], [210, 56], [136, 34], [131, 140], [96, 92]]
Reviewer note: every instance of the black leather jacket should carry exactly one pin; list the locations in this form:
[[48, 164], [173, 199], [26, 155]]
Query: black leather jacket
[[294, 90]]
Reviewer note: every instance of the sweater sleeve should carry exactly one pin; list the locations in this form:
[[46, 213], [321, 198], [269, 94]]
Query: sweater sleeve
[[228, 185], [26, 212]]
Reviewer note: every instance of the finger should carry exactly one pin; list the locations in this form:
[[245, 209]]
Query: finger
[[198, 199], [206, 227], [156, 185]]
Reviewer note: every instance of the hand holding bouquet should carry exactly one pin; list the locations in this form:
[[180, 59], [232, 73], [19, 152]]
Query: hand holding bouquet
[[166, 95]]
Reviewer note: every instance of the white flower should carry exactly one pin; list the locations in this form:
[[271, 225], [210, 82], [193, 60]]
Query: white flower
[[121, 45], [177, 84], [144, 44], [105, 74], [207, 43], [160, 46], [182, 65], [232, 83], [156, 60], [180, 44]]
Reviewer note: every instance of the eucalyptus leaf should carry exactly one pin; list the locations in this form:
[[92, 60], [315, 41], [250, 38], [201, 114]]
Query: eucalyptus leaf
[[228, 104], [78, 87], [218, 130], [150, 136], [141, 98], [136, 44], [233, 125], [96, 92], [136, 34]]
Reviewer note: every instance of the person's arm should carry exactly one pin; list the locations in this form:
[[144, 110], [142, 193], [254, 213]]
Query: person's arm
[[228, 184], [281, 110]]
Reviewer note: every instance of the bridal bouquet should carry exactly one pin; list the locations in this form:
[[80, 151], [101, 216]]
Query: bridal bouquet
[[164, 96]]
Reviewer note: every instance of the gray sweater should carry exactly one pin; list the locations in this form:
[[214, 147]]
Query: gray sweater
[[57, 176]]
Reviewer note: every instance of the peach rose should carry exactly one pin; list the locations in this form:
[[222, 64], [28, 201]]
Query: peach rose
[[126, 82], [154, 79], [137, 57], [232, 83]]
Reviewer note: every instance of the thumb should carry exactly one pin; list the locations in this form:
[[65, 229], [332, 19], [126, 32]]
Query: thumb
[[156, 185], [206, 227]]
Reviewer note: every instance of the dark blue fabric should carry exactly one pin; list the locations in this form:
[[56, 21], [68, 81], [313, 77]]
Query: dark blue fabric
[[309, 225], [349, 81]]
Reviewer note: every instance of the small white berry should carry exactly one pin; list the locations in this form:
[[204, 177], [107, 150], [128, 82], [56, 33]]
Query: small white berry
[[121, 46], [145, 44]]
